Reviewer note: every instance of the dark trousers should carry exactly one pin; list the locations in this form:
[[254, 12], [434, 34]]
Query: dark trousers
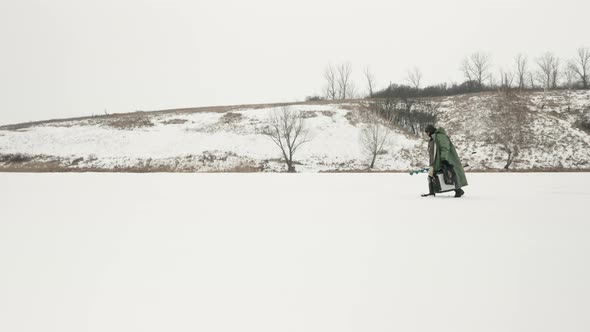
[[430, 185]]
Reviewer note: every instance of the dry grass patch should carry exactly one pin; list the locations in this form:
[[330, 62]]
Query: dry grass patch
[[128, 121], [243, 169], [174, 121], [15, 158], [230, 117]]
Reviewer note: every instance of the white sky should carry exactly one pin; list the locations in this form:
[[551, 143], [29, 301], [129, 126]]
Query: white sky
[[65, 58]]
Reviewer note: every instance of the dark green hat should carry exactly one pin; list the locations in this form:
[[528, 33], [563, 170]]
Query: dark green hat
[[430, 129]]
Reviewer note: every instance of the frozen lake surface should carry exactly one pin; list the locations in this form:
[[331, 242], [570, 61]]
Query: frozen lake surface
[[293, 252]]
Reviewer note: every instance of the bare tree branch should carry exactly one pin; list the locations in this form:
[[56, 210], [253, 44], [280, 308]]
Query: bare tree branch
[[506, 79], [548, 70], [330, 76], [569, 74], [414, 77], [374, 136], [343, 80], [555, 74], [477, 68], [521, 70], [531, 78], [370, 81], [581, 66], [508, 119]]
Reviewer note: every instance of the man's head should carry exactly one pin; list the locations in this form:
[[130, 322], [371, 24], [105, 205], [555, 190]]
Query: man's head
[[429, 130]]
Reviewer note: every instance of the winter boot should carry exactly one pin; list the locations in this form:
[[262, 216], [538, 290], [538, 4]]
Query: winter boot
[[459, 192]]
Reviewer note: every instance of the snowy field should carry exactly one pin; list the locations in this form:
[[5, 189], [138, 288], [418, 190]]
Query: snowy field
[[293, 252]]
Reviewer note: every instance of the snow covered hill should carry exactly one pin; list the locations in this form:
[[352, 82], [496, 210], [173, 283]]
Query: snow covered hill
[[231, 138]]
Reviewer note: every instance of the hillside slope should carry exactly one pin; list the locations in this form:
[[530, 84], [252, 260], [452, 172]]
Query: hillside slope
[[231, 138]]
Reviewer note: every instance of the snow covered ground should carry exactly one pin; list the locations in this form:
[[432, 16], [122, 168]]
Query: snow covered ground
[[205, 141], [232, 139], [293, 252]]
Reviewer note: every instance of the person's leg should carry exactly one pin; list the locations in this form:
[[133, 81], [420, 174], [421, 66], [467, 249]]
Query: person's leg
[[430, 188], [458, 191]]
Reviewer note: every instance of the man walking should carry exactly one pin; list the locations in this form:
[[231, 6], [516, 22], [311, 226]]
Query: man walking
[[443, 158]]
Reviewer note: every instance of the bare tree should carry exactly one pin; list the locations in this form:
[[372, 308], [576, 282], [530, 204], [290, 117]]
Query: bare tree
[[414, 77], [492, 81], [343, 80], [466, 69], [531, 77], [546, 75], [507, 122], [370, 81], [506, 79], [374, 136], [352, 91], [386, 108], [555, 74], [521, 70], [569, 74], [581, 66], [476, 68], [286, 130], [331, 86]]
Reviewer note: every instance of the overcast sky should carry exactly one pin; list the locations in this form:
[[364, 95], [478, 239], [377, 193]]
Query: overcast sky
[[65, 58]]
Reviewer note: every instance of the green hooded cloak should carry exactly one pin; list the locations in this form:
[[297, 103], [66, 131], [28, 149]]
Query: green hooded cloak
[[444, 150]]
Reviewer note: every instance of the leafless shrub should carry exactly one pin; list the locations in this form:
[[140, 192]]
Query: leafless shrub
[[131, 121], [313, 114], [213, 156], [175, 121], [584, 121], [404, 113], [374, 136], [230, 117], [245, 168], [314, 98], [76, 161], [508, 119], [15, 158]]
